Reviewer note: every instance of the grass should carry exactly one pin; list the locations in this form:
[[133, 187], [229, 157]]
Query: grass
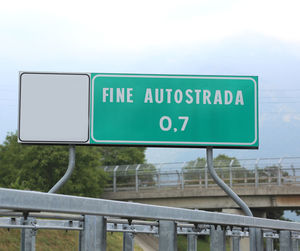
[[51, 240], [202, 243]]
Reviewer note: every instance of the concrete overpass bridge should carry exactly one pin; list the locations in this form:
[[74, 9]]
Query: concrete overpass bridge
[[262, 183]]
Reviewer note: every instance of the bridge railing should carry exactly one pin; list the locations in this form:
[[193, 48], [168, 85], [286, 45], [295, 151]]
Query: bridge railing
[[93, 218], [248, 172]]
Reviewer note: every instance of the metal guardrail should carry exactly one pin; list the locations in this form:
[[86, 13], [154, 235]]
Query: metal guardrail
[[244, 172], [93, 218]]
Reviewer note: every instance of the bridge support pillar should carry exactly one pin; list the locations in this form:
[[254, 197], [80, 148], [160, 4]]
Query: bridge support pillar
[[167, 235]]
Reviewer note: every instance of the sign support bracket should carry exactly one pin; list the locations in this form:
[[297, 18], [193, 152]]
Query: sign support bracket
[[222, 184], [68, 173], [231, 194]]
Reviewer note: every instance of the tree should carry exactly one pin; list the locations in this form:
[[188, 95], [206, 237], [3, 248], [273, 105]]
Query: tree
[[195, 170], [111, 156], [39, 167], [223, 160], [127, 160], [269, 174]]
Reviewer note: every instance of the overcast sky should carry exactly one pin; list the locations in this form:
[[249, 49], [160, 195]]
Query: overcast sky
[[256, 37]]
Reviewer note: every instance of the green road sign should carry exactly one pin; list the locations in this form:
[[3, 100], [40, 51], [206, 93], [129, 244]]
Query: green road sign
[[174, 110]]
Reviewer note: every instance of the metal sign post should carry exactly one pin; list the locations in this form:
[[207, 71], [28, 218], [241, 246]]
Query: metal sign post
[[231, 194], [68, 173], [222, 184]]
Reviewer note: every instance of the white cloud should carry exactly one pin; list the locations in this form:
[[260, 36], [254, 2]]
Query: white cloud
[[287, 118], [289, 114], [138, 25]]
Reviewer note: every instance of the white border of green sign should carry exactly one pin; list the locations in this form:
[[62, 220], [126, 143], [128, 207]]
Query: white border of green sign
[[158, 143]]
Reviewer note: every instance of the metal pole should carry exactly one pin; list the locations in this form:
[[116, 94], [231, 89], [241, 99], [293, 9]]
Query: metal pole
[[195, 167], [137, 178], [279, 173], [221, 183], [235, 239], [256, 173], [200, 178], [236, 243], [285, 242], [182, 180], [230, 172], [115, 179], [158, 177], [68, 173], [28, 235], [217, 239], [259, 240], [230, 193], [269, 242], [294, 171], [206, 176], [167, 235], [93, 236], [192, 242], [295, 246], [128, 239]]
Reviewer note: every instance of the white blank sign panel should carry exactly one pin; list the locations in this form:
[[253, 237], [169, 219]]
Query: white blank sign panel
[[54, 108]]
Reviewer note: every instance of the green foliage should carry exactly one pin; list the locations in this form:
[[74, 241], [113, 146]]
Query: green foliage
[[112, 156], [203, 243], [39, 167], [147, 173], [51, 240], [195, 170], [124, 156], [36, 167], [126, 175], [223, 160]]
